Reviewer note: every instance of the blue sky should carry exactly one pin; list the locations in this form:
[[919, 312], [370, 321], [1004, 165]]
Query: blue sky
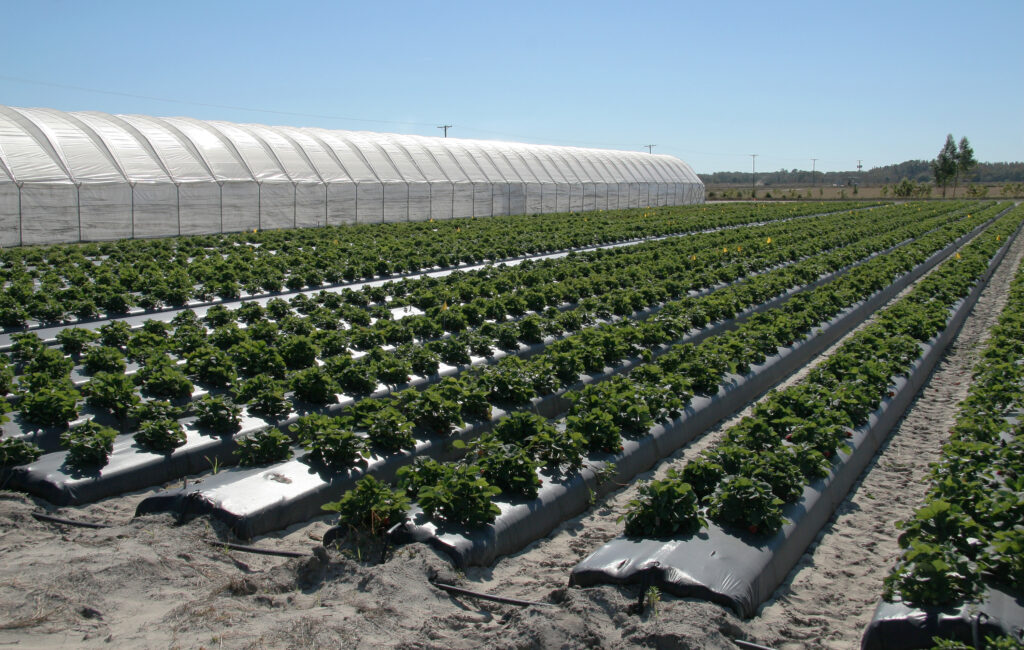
[[709, 82]]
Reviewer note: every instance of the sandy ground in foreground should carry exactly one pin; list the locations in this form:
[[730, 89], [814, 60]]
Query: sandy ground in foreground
[[149, 582]]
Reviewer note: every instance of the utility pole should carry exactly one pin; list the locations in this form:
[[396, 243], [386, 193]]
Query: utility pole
[[860, 176], [753, 175], [814, 161], [650, 147], [445, 127]]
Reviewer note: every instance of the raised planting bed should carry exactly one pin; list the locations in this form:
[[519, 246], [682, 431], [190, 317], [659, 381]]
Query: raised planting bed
[[726, 563], [139, 468]]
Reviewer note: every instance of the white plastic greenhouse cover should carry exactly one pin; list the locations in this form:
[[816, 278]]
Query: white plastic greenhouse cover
[[86, 176]]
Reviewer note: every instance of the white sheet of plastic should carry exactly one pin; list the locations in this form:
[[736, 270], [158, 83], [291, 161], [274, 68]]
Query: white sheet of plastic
[[87, 176]]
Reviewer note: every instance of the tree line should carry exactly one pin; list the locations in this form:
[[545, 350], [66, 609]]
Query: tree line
[[917, 171]]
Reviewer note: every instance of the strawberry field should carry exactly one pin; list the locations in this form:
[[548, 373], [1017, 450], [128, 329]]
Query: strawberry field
[[476, 384]]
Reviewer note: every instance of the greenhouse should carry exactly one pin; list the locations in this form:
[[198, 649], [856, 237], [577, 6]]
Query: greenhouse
[[87, 176]]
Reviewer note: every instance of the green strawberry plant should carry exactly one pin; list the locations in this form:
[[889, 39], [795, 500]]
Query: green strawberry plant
[[88, 444], [370, 506], [263, 447]]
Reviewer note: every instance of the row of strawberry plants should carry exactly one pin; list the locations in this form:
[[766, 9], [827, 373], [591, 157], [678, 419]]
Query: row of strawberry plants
[[968, 536], [538, 284], [215, 356], [794, 435], [251, 505], [49, 283], [267, 506], [441, 406], [602, 413]]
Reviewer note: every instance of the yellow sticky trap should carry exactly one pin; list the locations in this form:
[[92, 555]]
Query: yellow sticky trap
[[444, 307], [693, 258], [999, 238], [725, 250], [739, 248], [958, 255], [768, 241]]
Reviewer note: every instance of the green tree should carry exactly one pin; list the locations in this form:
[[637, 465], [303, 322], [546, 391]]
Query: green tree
[[944, 167], [965, 162]]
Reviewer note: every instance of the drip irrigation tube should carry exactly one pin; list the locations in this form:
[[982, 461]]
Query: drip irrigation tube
[[68, 522], [498, 599], [255, 549]]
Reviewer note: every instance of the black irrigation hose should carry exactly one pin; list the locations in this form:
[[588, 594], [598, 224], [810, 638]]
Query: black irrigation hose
[[498, 599], [255, 549], [41, 516], [750, 646]]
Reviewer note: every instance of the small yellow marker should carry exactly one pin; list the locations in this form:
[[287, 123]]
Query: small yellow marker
[[768, 241], [958, 255]]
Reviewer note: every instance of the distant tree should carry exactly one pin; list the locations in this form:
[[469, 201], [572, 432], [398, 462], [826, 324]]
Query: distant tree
[[904, 188], [944, 167], [965, 162]]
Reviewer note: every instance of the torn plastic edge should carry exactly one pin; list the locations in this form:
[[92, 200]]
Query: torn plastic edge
[[741, 571]]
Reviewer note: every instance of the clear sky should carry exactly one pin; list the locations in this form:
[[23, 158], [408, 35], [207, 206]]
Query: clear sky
[[709, 82]]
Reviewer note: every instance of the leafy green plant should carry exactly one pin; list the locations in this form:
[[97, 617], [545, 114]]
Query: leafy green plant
[[314, 385], [89, 444], [155, 410], [460, 496], [14, 451], [50, 405], [217, 414], [263, 447], [111, 391], [211, 365], [932, 574], [264, 395], [161, 377], [161, 435], [664, 508], [370, 506], [74, 339], [49, 362], [389, 429], [748, 504], [328, 441], [507, 466], [103, 359]]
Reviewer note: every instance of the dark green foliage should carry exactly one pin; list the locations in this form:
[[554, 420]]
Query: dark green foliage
[[263, 447], [460, 496], [111, 391], [74, 339], [329, 442], [314, 385], [217, 414], [103, 359], [370, 506], [664, 508], [747, 504], [50, 405], [161, 435], [89, 444], [14, 451]]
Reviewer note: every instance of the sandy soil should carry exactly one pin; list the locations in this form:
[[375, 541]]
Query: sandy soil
[[150, 582]]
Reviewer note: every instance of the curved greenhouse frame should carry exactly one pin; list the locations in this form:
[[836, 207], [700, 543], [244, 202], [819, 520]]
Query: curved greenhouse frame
[[85, 176]]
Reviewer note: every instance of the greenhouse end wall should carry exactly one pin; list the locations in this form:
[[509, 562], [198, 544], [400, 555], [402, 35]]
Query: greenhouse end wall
[[86, 176]]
